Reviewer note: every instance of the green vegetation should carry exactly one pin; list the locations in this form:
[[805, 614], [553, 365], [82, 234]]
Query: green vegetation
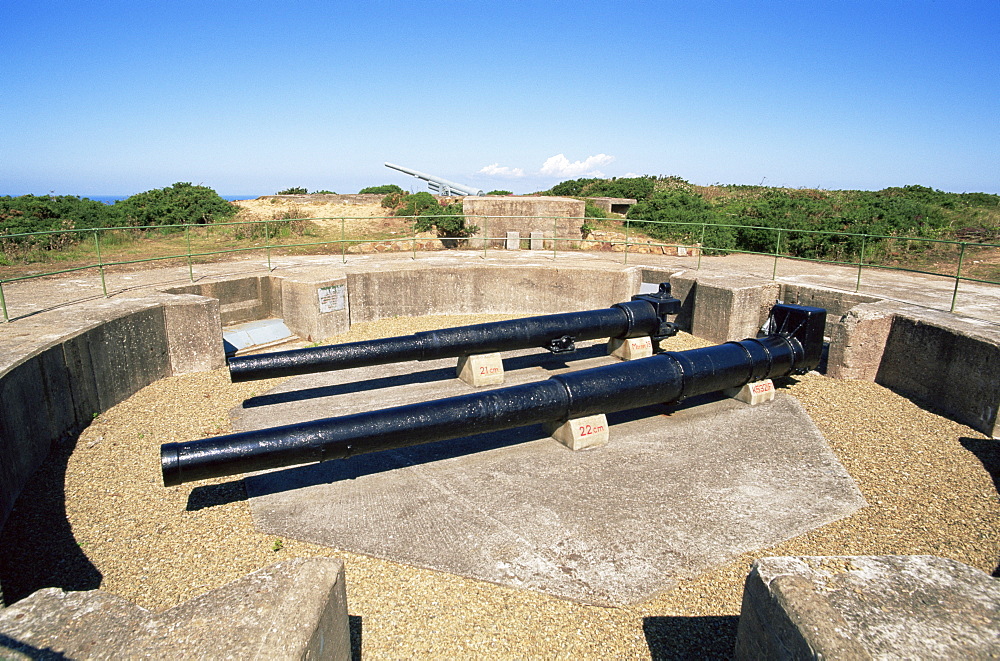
[[428, 214], [179, 204], [381, 190], [500, 192], [637, 188], [295, 190]]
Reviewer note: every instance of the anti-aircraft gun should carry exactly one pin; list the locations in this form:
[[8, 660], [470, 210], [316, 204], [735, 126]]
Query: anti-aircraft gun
[[794, 346], [438, 185]]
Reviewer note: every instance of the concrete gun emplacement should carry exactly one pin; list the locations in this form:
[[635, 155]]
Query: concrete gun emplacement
[[794, 345]]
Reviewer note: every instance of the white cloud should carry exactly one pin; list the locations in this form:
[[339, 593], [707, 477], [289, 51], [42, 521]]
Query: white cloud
[[559, 166], [497, 171]]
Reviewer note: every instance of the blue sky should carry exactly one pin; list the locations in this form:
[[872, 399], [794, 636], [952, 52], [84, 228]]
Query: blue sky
[[111, 97]]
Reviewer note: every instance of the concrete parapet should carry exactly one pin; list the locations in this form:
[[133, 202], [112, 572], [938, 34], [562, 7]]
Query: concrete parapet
[[943, 360], [619, 205], [292, 610], [836, 303], [63, 367], [864, 607], [241, 299], [411, 290]]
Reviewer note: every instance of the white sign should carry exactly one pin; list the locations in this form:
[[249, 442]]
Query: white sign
[[332, 298]]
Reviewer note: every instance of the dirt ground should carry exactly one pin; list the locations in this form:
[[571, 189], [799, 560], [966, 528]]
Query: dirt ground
[[357, 219]]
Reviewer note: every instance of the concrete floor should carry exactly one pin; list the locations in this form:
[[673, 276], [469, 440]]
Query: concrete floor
[[676, 491]]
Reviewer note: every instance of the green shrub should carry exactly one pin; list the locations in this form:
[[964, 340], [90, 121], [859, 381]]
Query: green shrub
[[293, 191], [500, 192], [591, 210], [323, 192], [381, 190], [179, 204]]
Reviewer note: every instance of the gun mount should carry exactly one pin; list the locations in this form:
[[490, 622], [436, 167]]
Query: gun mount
[[794, 346], [438, 185], [645, 314]]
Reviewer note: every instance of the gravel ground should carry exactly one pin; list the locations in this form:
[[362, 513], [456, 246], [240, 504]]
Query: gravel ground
[[97, 516]]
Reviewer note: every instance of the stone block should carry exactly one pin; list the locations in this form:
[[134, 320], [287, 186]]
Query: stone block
[[537, 241], [295, 609], [857, 342], [728, 308], [580, 433], [482, 369], [864, 607], [314, 302], [753, 393], [513, 241], [194, 334], [630, 348]]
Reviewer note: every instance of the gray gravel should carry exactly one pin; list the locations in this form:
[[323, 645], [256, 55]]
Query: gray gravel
[[928, 490]]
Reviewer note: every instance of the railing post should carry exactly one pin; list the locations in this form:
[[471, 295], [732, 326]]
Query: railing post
[[267, 243], [3, 303], [958, 277], [555, 236], [701, 246], [413, 241], [100, 262], [343, 245], [626, 240], [861, 263], [777, 251], [187, 236]]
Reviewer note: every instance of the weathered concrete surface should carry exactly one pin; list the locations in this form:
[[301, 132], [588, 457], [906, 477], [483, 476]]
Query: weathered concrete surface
[[674, 492], [314, 302], [292, 610], [868, 607], [731, 307], [943, 360], [531, 287], [562, 215], [241, 298], [59, 368]]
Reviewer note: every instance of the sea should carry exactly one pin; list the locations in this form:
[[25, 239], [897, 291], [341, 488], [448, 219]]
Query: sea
[[111, 199]]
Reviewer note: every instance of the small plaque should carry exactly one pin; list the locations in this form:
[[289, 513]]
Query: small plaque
[[332, 298]]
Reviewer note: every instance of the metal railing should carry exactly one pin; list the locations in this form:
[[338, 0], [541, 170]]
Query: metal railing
[[274, 234]]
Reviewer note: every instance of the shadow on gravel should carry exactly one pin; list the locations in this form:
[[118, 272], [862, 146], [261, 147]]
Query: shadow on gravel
[[987, 451], [706, 637], [356, 625], [37, 547], [545, 360]]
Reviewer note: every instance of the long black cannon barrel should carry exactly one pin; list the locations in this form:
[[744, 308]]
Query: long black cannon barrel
[[643, 315], [794, 346]]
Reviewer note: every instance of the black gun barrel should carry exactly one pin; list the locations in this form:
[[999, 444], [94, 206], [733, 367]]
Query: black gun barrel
[[644, 315], [795, 346]]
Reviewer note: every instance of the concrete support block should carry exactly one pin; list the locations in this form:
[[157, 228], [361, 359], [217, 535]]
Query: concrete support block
[[730, 308], [857, 342], [864, 607], [513, 241], [194, 334], [292, 610], [580, 433], [314, 302], [483, 369], [753, 393], [537, 241], [631, 348]]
